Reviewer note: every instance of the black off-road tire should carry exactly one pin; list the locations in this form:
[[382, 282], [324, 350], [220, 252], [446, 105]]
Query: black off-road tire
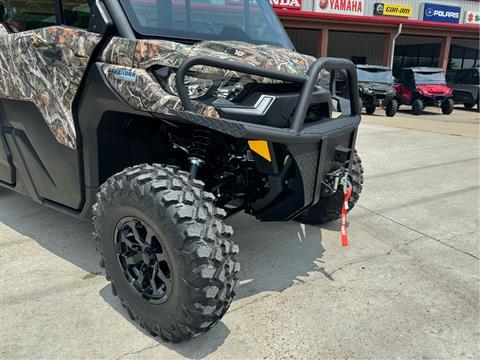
[[447, 106], [468, 105], [330, 209], [417, 106], [391, 108], [198, 243], [370, 109]]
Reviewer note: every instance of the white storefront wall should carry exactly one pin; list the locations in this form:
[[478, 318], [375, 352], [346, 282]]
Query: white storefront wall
[[330, 6]]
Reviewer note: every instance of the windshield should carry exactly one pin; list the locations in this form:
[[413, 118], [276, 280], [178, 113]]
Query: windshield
[[375, 75], [430, 78], [251, 21]]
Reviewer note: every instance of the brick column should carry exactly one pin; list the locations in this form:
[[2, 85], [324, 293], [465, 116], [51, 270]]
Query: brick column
[[389, 49], [322, 49], [445, 52]]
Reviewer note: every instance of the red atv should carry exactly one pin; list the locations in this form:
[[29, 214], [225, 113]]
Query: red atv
[[424, 86]]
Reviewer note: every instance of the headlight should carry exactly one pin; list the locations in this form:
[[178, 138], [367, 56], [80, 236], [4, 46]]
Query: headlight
[[365, 89], [390, 91], [229, 89], [196, 87]]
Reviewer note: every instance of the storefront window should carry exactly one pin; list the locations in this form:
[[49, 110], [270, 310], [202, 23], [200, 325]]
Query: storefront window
[[305, 41], [464, 54], [412, 51], [456, 57], [470, 58], [361, 48]]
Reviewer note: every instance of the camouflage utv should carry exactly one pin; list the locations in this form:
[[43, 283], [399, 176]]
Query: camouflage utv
[[165, 117]]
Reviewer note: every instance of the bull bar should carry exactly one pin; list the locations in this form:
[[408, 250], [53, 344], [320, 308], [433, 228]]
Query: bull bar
[[298, 132]]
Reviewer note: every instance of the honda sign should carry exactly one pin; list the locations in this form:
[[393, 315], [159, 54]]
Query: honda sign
[[287, 4]]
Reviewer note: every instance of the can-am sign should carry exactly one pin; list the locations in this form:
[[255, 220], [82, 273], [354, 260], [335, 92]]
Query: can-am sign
[[382, 9], [287, 4], [344, 7], [472, 17], [441, 13]]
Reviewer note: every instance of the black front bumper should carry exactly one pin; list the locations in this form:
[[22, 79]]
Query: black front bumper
[[434, 100], [377, 98], [315, 146]]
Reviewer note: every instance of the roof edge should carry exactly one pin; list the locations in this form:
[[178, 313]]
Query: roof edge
[[374, 19]]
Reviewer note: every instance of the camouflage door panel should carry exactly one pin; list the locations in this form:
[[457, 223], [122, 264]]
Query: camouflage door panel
[[45, 66], [142, 90]]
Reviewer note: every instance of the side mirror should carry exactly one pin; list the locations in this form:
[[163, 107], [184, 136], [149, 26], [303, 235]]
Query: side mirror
[[100, 20]]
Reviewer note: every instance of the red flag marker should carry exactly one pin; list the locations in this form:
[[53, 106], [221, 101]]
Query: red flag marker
[[343, 229]]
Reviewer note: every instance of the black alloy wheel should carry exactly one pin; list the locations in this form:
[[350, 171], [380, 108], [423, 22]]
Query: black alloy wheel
[[143, 259]]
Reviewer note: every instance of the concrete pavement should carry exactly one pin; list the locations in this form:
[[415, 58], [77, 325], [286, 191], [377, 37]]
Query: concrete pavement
[[406, 287]]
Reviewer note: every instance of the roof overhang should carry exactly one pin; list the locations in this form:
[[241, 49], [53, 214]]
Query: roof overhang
[[375, 23]]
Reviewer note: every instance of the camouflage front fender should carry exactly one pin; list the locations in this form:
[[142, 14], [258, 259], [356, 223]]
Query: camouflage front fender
[[46, 66]]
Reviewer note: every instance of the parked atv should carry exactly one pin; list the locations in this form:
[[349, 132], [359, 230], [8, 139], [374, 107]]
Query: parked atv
[[466, 88], [424, 86], [376, 89], [165, 117]]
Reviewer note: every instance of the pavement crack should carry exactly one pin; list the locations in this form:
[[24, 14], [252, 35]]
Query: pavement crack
[[138, 351], [423, 234], [328, 275], [359, 261], [254, 301]]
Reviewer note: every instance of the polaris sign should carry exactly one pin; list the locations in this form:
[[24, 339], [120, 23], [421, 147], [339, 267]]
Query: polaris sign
[[441, 13]]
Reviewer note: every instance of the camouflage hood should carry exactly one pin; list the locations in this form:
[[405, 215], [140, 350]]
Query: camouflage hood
[[127, 66], [264, 56], [144, 54]]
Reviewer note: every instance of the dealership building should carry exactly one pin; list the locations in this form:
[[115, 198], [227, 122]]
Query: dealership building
[[397, 33]]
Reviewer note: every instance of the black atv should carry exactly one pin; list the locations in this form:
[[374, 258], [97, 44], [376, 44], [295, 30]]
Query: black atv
[[165, 117], [376, 89], [466, 87]]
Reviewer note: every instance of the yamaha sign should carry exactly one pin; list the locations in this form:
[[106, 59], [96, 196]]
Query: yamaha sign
[[341, 7], [441, 13]]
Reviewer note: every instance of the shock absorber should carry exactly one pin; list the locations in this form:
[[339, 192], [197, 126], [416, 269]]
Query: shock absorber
[[202, 144]]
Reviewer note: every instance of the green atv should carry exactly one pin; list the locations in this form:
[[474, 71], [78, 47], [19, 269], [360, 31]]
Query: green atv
[[165, 117]]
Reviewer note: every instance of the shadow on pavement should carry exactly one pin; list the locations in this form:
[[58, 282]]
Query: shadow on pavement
[[425, 111], [272, 255], [462, 108]]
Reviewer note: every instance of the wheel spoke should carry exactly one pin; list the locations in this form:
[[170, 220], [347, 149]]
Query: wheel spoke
[[161, 257], [132, 259], [141, 277], [162, 276], [150, 235], [136, 235], [152, 279], [124, 238]]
